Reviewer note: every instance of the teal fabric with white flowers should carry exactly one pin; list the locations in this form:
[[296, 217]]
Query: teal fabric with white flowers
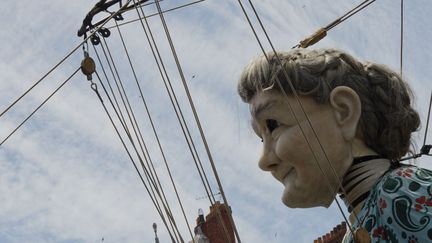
[[399, 207]]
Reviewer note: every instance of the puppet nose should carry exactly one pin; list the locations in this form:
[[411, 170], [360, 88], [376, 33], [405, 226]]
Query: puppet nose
[[268, 160]]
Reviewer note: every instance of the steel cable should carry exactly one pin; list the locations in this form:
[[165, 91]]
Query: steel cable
[[151, 165], [129, 154], [34, 111], [179, 68], [299, 103], [176, 107], [131, 115]]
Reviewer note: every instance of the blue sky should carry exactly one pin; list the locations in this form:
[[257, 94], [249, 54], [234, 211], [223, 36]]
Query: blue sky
[[64, 176]]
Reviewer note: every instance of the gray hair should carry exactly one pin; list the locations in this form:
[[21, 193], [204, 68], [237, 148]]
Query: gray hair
[[387, 118]]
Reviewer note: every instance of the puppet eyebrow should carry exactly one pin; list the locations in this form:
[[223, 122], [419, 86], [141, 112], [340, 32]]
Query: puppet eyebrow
[[257, 110]]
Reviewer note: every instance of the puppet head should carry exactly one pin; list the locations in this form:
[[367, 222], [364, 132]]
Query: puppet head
[[340, 109]]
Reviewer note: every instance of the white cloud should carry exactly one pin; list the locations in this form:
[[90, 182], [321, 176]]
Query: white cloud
[[65, 177]]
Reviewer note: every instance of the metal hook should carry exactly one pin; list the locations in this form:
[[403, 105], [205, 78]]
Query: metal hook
[[94, 86]]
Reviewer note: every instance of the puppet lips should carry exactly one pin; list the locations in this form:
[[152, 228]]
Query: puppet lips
[[283, 174]]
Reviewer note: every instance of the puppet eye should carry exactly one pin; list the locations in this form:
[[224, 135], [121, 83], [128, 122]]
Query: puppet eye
[[272, 124]]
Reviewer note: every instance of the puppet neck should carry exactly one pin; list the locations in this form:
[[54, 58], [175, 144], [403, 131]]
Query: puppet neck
[[365, 171]]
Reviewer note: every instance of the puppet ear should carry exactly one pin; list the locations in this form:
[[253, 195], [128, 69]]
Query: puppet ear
[[347, 110]]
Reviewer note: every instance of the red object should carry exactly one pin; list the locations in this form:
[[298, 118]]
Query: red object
[[217, 226], [335, 236]]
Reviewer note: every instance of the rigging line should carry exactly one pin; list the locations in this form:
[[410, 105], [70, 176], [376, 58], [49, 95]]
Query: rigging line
[[428, 119], [146, 173], [121, 94], [129, 154], [34, 111], [116, 77], [349, 14], [126, 105], [60, 62], [118, 110], [298, 101], [121, 118], [101, 6], [179, 68], [155, 14], [187, 90], [149, 116], [177, 109], [352, 10], [322, 32], [295, 93], [304, 112], [199, 126], [124, 125], [118, 117], [167, 167], [153, 195], [175, 104], [401, 36]]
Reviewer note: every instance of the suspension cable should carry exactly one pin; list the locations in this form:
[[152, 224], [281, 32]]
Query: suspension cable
[[151, 194], [155, 14], [401, 36], [151, 122], [132, 118], [428, 119], [155, 203], [34, 111], [350, 13], [300, 105], [125, 126], [64, 59], [179, 68], [307, 116], [121, 118], [322, 32], [175, 104]]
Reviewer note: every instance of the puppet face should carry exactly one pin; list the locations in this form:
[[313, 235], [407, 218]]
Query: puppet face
[[291, 151]]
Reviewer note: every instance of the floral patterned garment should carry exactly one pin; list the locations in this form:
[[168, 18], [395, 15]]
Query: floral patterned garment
[[399, 207]]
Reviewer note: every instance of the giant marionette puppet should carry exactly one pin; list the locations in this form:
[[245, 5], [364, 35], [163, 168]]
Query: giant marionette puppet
[[333, 125]]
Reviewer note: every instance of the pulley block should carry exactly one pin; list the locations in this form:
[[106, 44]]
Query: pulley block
[[95, 40], [88, 66], [118, 17], [105, 32]]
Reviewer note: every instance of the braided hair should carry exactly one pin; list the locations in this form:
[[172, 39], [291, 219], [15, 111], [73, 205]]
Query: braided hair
[[387, 119]]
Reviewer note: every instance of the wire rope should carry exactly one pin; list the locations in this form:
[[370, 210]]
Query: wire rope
[[152, 194], [177, 109], [298, 102], [63, 59], [121, 118], [129, 154], [307, 117], [34, 111], [132, 118], [150, 119], [156, 14], [119, 85], [175, 104], [322, 32], [179, 68], [428, 119], [401, 35], [350, 13]]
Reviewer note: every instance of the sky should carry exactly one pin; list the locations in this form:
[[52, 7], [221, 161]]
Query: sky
[[64, 176]]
